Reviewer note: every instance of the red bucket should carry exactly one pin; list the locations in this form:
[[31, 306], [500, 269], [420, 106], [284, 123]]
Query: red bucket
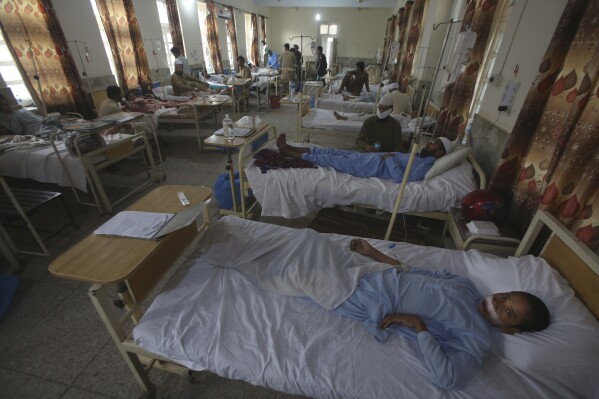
[[275, 101]]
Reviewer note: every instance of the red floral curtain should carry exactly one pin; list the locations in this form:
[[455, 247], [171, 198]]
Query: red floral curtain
[[174, 25], [37, 43], [126, 43], [551, 160], [213, 44], [232, 36], [263, 26], [255, 51], [402, 23], [410, 47], [458, 95]]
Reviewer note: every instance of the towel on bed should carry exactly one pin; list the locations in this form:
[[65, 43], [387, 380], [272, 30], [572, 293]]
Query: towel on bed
[[269, 159], [328, 272]]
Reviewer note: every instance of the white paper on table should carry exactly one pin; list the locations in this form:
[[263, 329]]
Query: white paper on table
[[483, 227], [135, 224]]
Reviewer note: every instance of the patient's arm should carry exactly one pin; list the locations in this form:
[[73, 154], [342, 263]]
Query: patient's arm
[[448, 368], [362, 247]]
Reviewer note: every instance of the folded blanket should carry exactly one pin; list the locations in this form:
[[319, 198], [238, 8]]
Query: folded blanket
[[269, 159]]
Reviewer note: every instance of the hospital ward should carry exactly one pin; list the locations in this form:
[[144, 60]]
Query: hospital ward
[[274, 199]]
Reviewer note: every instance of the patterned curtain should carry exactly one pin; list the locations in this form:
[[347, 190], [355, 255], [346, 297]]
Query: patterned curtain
[[212, 30], [37, 43], [255, 51], [458, 95], [263, 27], [402, 23], [551, 160], [410, 48], [232, 35], [126, 43], [174, 24]]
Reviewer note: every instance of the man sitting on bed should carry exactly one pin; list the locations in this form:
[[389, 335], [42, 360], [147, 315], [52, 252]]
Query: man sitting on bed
[[20, 121], [443, 312], [354, 81], [365, 164], [381, 128], [185, 84]]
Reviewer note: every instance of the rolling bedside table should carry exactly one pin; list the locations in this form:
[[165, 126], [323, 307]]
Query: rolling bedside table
[[502, 245]]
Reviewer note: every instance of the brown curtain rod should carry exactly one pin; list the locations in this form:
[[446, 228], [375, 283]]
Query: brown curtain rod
[[235, 8]]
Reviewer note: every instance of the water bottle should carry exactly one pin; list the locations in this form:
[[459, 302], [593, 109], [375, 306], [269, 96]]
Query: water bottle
[[312, 102], [291, 90], [467, 141], [228, 128], [377, 146]]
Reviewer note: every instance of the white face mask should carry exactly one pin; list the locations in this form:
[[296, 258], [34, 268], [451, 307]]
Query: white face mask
[[491, 310], [384, 114]]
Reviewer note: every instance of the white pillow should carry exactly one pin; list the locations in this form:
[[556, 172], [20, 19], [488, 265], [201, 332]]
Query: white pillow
[[447, 162]]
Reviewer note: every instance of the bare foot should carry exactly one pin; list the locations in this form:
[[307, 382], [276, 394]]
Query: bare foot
[[286, 151], [281, 141], [339, 117]]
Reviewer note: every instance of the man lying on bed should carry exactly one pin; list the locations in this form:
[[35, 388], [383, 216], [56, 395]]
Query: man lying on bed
[[443, 312], [371, 164], [444, 315]]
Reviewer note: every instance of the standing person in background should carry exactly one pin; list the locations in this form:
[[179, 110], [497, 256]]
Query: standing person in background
[[321, 64], [288, 64], [179, 57], [273, 59]]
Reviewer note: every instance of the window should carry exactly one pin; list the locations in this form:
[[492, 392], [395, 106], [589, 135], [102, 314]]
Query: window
[[11, 75], [329, 29], [202, 11], [230, 51], [105, 40], [166, 33]]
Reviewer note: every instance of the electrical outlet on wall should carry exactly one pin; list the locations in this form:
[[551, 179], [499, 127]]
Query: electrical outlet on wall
[[509, 95]]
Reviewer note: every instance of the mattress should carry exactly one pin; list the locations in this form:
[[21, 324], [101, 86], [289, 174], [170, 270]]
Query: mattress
[[325, 119], [335, 102], [215, 318], [294, 193]]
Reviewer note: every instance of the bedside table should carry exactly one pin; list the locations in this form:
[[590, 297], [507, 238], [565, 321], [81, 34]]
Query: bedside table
[[502, 245]]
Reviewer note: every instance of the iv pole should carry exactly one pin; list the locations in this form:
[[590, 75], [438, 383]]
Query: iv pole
[[418, 130], [154, 47], [302, 59]]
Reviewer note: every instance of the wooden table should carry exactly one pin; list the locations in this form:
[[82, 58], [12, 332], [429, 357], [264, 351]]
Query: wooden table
[[134, 265], [240, 143]]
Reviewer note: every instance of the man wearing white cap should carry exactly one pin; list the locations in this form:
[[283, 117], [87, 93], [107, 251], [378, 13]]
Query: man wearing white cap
[[185, 84], [401, 101], [386, 166], [381, 129]]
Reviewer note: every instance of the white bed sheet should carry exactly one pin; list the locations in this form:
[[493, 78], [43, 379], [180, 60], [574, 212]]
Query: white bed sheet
[[42, 164], [294, 193], [325, 119], [210, 317], [335, 102]]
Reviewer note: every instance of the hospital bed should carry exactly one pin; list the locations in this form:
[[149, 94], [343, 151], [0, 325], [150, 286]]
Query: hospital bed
[[209, 317], [51, 162]]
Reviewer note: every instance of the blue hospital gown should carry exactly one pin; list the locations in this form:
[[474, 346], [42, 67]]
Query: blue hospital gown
[[458, 337], [370, 164]]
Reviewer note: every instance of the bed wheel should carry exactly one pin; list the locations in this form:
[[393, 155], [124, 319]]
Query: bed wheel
[[151, 394]]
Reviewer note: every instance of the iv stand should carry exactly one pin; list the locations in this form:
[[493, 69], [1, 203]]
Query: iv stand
[[84, 73], [157, 67], [302, 59], [417, 131]]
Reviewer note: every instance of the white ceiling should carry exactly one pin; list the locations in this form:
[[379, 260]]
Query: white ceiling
[[328, 3]]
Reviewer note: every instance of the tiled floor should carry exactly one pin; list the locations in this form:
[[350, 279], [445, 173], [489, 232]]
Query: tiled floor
[[52, 342]]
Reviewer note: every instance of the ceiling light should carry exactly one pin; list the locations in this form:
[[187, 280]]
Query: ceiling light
[[318, 17]]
